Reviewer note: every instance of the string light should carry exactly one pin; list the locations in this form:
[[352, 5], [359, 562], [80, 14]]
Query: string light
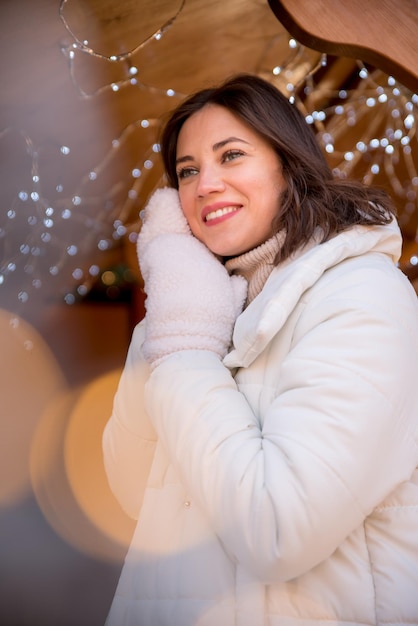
[[123, 60], [82, 45]]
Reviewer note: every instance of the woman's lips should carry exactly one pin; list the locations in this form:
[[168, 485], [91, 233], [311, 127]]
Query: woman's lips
[[220, 212], [210, 214]]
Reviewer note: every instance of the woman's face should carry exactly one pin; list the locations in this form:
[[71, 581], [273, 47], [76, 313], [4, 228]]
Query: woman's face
[[230, 181]]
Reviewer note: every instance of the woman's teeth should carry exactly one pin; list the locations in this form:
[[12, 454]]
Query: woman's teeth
[[220, 212]]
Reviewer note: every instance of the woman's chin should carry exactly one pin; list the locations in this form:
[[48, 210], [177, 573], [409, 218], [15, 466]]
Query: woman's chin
[[226, 251]]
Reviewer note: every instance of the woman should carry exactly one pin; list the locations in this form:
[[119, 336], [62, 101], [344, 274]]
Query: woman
[[266, 439]]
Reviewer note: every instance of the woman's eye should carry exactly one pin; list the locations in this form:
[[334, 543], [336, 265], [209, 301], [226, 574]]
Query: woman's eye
[[185, 172], [230, 155]]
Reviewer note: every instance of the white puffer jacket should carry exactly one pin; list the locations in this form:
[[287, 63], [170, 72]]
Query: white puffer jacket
[[283, 489]]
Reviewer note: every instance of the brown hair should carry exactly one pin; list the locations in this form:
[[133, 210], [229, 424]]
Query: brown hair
[[314, 197]]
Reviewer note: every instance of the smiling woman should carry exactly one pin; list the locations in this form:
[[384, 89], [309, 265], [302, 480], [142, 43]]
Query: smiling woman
[[282, 169], [80, 118], [272, 494]]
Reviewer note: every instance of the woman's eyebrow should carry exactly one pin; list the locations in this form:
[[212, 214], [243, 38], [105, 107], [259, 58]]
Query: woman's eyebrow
[[216, 146], [224, 142], [184, 158]]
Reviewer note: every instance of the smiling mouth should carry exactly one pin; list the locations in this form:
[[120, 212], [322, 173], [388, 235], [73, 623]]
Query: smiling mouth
[[220, 212]]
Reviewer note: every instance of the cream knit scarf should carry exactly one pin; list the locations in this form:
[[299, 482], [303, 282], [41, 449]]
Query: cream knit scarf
[[256, 265]]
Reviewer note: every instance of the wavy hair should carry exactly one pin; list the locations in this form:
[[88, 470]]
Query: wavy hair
[[314, 198]]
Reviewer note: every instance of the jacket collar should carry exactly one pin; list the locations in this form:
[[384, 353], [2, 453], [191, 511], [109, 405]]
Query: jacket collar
[[267, 313]]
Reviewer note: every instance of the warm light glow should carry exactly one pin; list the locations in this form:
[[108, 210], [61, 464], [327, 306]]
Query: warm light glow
[[30, 377], [84, 459], [67, 472]]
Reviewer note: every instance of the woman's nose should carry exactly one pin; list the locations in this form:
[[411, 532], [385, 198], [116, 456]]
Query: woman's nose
[[209, 180]]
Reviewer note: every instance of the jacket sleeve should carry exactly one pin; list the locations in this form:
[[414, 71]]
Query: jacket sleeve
[[129, 438], [340, 433]]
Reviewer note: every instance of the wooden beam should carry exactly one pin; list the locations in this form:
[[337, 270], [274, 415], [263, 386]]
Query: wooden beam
[[380, 32]]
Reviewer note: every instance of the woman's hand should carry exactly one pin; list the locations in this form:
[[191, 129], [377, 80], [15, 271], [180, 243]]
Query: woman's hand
[[192, 302]]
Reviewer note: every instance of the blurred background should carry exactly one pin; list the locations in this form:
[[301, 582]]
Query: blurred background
[[85, 85]]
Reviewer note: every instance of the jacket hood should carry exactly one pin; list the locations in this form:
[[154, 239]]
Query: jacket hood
[[267, 313]]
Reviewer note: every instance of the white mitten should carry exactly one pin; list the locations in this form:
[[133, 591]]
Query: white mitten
[[192, 302]]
